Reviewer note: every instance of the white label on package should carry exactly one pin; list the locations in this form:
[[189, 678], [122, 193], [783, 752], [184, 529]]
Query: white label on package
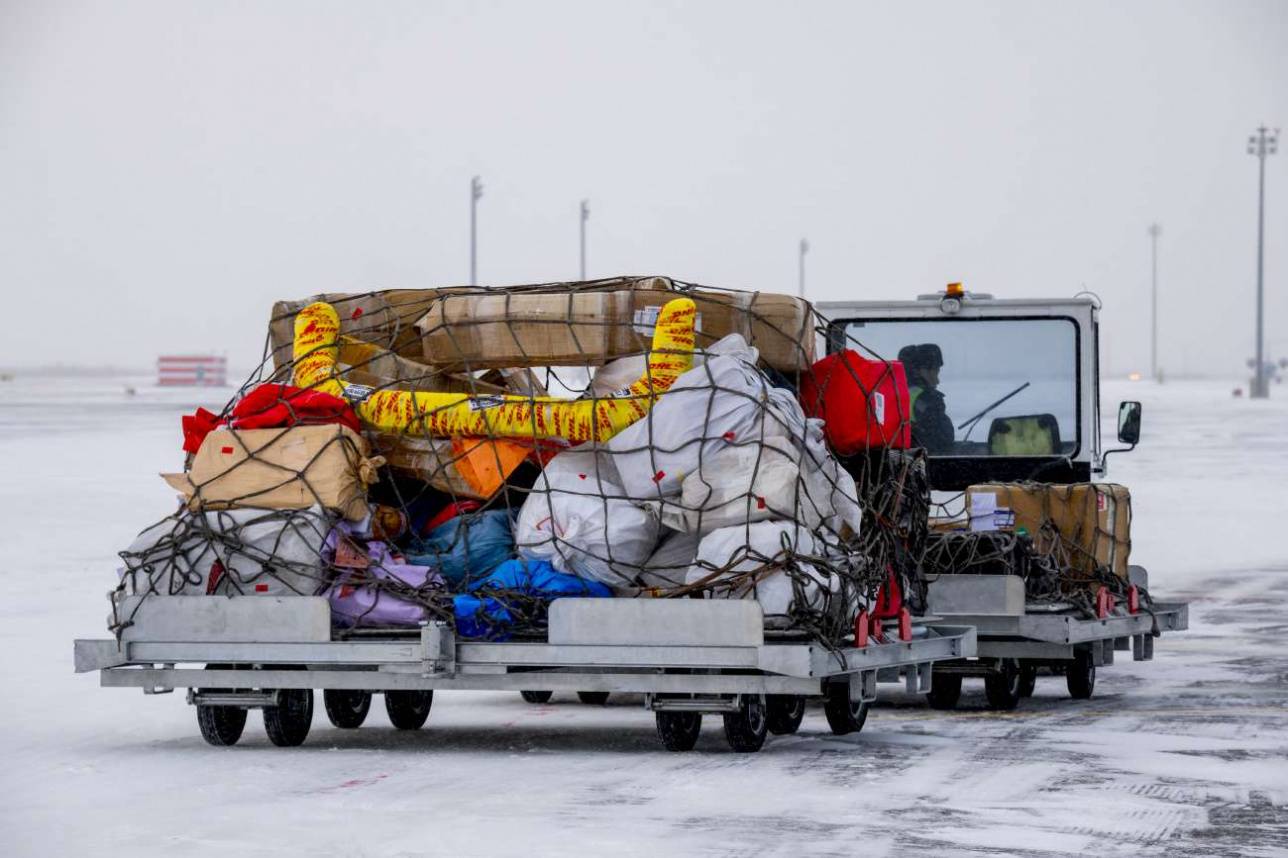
[[356, 393], [983, 505], [878, 406], [479, 403], [645, 320]]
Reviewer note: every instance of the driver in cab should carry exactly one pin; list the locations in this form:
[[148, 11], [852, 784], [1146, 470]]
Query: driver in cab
[[931, 427]]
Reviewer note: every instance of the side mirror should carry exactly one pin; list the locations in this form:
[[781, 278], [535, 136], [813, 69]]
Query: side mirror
[[1129, 423]]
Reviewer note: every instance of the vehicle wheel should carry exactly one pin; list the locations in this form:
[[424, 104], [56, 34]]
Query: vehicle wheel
[[945, 690], [288, 723], [679, 730], [346, 709], [593, 698], [220, 726], [786, 711], [1003, 687], [408, 709], [1028, 680], [746, 729], [1080, 676], [537, 696], [843, 714]]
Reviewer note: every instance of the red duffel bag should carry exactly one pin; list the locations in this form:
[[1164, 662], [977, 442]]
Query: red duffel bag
[[864, 403]]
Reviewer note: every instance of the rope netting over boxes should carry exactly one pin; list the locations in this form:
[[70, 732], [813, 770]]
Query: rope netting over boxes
[[468, 455]]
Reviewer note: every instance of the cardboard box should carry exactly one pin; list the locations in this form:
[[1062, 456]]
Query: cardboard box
[[588, 324], [521, 328], [474, 468], [290, 468], [385, 318], [1091, 522]]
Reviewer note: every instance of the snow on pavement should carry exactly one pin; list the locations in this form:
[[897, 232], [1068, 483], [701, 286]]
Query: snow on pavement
[[1185, 755]]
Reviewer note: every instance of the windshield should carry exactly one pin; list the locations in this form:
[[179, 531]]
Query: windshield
[[985, 387]]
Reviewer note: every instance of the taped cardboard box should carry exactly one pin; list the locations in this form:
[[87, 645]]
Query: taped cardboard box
[[290, 468], [591, 323], [1091, 520], [384, 318], [521, 328]]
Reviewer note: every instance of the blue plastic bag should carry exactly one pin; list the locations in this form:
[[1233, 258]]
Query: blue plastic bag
[[485, 612], [466, 548]]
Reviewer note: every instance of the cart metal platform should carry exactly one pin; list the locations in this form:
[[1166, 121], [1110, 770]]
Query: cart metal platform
[[684, 655], [1018, 639]]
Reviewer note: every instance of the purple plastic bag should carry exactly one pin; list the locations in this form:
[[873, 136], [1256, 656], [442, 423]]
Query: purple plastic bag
[[369, 604]]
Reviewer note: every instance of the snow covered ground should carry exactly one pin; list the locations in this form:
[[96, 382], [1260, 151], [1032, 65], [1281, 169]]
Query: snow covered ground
[[1185, 755]]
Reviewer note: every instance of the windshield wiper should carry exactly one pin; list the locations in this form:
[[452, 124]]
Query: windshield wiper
[[980, 416]]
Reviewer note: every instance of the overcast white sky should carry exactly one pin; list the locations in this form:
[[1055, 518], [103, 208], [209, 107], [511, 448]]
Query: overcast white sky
[[168, 169]]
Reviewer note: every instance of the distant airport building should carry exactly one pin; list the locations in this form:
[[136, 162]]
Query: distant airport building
[[192, 371]]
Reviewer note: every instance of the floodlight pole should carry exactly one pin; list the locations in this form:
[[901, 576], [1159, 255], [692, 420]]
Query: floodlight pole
[[804, 249], [1154, 232], [1263, 143], [585, 216], [476, 191]]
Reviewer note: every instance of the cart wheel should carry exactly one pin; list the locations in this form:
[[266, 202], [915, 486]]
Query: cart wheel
[[1028, 679], [945, 690], [786, 711], [843, 714], [1080, 675], [408, 709], [537, 696], [593, 698], [679, 730], [221, 726], [1003, 687], [746, 729], [287, 724], [346, 709]]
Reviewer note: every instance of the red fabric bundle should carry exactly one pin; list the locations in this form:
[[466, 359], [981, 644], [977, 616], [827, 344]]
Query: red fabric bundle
[[269, 406]]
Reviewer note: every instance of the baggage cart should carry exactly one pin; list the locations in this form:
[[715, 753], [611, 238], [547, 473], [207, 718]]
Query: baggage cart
[[687, 657]]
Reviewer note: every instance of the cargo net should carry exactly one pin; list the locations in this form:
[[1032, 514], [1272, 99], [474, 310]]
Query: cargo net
[[469, 455], [1068, 542]]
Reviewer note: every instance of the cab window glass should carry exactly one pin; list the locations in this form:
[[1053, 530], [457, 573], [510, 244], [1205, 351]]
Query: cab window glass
[[985, 387]]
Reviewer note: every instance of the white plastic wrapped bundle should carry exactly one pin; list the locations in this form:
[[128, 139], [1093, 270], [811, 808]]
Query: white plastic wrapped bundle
[[731, 553], [577, 517]]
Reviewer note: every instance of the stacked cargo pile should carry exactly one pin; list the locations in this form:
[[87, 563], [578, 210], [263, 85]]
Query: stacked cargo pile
[[466, 455], [1070, 543]]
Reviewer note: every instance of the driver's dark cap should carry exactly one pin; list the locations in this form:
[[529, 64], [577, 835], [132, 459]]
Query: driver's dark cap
[[924, 356]]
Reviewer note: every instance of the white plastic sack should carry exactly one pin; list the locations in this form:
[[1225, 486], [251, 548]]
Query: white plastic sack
[[668, 566], [739, 484], [733, 551], [709, 407], [577, 518], [262, 552]]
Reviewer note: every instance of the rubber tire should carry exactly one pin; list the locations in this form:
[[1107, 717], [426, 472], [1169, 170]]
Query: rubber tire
[[679, 730], [221, 726], [1028, 679], [843, 714], [945, 690], [1080, 675], [593, 698], [408, 710], [287, 724], [786, 711], [746, 729], [346, 709], [536, 696], [1002, 689]]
